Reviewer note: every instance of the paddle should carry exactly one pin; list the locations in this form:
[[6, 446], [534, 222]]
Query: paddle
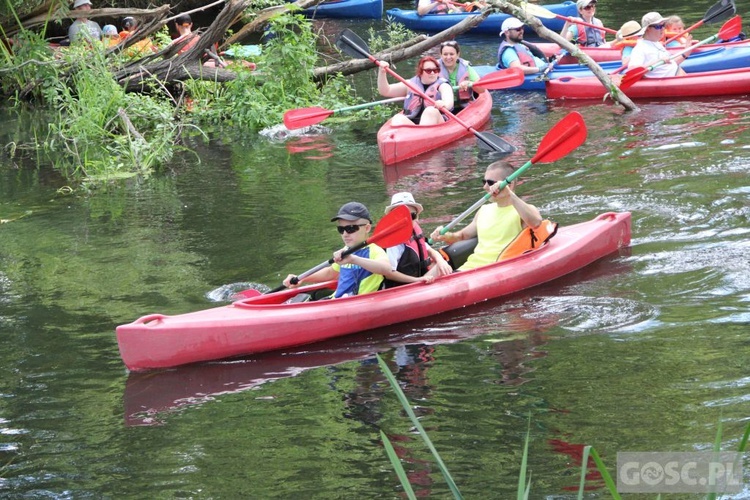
[[720, 11], [351, 44], [393, 229], [564, 137], [551, 66], [539, 11], [304, 117], [730, 29]]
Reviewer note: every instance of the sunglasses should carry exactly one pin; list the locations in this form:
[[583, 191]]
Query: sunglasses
[[414, 216], [489, 182], [590, 7], [657, 26], [516, 29], [432, 71], [449, 43], [351, 229]]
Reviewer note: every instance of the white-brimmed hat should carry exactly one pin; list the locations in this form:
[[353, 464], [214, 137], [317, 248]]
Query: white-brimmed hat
[[512, 23], [78, 3], [649, 19], [403, 199], [580, 4], [630, 28]]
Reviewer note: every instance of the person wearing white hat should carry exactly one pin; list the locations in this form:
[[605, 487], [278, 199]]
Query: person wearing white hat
[[514, 52], [411, 261], [626, 38], [83, 28], [650, 50], [585, 36]]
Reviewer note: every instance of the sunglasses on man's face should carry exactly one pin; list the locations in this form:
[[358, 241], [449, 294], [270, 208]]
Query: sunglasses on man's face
[[489, 182], [657, 26], [432, 71], [351, 229]]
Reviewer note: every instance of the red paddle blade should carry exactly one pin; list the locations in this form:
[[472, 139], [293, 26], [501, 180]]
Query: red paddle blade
[[503, 79], [298, 118], [568, 134], [632, 76], [731, 28], [393, 229]]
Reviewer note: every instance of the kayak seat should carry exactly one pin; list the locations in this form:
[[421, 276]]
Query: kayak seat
[[529, 240], [300, 297], [456, 253]]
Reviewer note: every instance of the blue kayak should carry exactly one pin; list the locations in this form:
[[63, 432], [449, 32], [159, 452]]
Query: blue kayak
[[435, 23], [710, 60], [347, 9]]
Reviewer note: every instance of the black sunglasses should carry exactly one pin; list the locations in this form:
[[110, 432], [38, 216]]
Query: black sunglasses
[[351, 229], [489, 182]]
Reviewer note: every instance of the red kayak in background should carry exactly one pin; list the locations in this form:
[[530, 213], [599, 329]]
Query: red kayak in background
[[399, 142]]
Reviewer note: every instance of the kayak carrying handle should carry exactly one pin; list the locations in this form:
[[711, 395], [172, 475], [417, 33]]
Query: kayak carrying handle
[[151, 318]]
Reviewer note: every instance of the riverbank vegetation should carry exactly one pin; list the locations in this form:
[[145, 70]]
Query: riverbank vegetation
[[115, 115]]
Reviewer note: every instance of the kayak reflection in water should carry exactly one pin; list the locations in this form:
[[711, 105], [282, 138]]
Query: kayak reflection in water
[[496, 224]]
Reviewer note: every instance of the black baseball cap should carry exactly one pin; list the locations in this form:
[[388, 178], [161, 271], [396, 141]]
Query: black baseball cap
[[352, 211]]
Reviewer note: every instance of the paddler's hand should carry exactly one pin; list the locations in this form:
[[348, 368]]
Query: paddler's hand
[[464, 85], [288, 281], [383, 65], [442, 268]]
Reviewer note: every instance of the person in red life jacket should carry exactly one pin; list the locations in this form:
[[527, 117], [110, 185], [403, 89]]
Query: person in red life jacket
[[358, 273], [626, 38], [436, 7], [411, 261], [415, 109], [649, 49], [184, 25], [674, 26], [495, 224], [514, 53], [458, 72], [585, 36], [139, 48]]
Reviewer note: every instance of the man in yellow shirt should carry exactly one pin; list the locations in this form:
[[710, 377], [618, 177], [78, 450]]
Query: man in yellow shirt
[[495, 224]]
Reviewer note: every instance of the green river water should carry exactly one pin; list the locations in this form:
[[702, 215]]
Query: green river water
[[646, 350]]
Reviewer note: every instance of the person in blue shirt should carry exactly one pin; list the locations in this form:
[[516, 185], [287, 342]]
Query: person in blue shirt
[[514, 53]]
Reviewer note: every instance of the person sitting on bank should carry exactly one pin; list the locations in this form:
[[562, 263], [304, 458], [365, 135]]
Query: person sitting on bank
[[415, 109], [411, 261], [650, 50], [458, 72], [585, 36], [361, 272], [626, 38], [110, 35], [514, 53], [211, 59], [495, 224], [139, 48], [83, 28]]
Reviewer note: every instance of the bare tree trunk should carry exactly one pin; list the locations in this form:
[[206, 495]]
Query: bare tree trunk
[[614, 91], [413, 48]]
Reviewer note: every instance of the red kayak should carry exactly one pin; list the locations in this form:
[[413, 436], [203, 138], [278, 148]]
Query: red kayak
[[399, 142], [606, 54], [266, 323], [709, 83]]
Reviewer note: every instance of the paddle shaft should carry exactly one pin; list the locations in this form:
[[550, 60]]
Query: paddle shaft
[[710, 17]]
